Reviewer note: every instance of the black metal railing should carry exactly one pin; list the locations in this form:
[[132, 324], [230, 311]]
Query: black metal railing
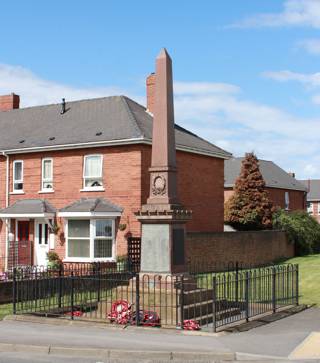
[[213, 300], [242, 294]]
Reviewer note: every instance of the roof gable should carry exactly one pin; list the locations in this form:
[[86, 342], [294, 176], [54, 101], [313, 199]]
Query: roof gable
[[313, 187], [273, 175]]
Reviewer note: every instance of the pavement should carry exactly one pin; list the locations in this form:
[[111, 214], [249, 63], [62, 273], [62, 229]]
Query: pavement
[[296, 337]]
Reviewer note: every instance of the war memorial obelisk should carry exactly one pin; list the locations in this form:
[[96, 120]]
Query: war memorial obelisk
[[163, 218]]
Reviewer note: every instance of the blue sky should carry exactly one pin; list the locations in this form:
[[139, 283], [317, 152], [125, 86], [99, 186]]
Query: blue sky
[[245, 71]]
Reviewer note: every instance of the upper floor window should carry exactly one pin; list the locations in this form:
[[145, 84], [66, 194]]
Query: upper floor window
[[92, 173], [47, 174], [310, 207], [18, 175], [286, 201]]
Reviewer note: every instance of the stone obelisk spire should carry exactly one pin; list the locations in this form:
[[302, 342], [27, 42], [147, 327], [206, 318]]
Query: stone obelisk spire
[[163, 179], [163, 218]]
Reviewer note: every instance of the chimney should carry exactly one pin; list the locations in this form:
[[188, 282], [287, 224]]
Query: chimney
[[9, 102], [151, 83], [292, 174]]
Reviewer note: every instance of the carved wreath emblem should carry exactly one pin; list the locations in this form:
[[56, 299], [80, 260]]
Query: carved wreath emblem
[[159, 185]]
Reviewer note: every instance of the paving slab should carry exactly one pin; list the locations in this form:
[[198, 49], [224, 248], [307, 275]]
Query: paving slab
[[278, 338], [274, 341], [308, 349]]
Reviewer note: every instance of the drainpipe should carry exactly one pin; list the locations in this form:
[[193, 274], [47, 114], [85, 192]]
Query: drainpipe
[[7, 178], [7, 205]]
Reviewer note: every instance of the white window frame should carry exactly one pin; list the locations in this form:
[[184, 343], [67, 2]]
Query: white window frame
[[92, 237], [98, 188], [310, 209], [43, 180], [16, 181], [286, 205]]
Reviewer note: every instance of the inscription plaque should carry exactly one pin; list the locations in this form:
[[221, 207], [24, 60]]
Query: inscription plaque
[[178, 257]]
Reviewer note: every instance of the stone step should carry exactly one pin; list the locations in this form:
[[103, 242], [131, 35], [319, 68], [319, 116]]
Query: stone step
[[206, 307], [205, 319], [195, 296]]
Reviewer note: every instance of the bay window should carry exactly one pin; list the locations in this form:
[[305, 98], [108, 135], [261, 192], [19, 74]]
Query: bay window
[[89, 239], [18, 176], [92, 173], [79, 238], [47, 174]]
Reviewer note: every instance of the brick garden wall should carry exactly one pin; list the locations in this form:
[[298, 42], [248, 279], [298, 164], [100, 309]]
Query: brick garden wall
[[254, 247]]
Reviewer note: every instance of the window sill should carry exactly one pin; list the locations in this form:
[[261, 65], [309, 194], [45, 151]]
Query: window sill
[[17, 192], [79, 260], [45, 191], [93, 189]]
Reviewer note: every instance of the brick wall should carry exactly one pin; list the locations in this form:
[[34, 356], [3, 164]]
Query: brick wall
[[121, 179], [277, 196], [315, 211], [254, 247], [126, 183], [200, 188]]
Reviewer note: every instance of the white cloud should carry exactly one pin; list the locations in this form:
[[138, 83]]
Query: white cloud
[[312, 79], [316, 99], [311, 170], [218, 112], [37, 91], [294, 13], [240, 125], [312, 46], [204, 88]]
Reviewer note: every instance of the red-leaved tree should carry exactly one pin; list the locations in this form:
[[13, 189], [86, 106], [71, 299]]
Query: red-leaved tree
[[249, 208]]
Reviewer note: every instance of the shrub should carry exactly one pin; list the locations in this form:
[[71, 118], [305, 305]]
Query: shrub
[[302, 229], [249, 208], [53, 256]]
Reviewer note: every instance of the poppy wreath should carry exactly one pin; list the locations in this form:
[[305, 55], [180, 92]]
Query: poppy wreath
[[191, 325], [120, 312], [147, 318]]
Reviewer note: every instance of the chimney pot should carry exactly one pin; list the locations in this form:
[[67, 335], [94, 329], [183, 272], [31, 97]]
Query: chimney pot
[[292, 174], [9, 102], [63, 106]]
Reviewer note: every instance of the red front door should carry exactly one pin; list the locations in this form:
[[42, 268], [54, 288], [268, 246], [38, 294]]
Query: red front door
[[23, 231]]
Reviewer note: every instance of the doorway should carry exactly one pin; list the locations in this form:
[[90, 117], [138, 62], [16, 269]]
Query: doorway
[[41, 242]]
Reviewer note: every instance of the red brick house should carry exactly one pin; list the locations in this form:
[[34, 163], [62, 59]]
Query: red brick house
[[284, 190], [80, 169], [313, 197]]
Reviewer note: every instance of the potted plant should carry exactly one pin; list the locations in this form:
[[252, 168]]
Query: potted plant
[[54, 261]]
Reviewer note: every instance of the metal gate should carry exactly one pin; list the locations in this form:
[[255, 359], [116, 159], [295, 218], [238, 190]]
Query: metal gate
[[134, 252], [20, 253]]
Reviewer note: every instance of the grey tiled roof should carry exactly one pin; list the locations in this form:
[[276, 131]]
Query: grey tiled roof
[[92, 205], [273, 175], [313, 187], [99, 120], [29, 206]]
